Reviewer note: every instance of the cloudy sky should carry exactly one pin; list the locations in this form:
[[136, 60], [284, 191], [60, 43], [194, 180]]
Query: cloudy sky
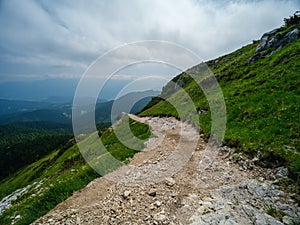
[[44, 39]]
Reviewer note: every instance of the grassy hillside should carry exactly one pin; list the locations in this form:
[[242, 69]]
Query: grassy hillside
[[55, 177], [262, 102]]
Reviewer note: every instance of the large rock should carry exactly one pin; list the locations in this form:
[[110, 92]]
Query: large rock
[[273, 41]]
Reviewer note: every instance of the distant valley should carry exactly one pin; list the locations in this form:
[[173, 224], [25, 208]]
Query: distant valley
[[32, 129]]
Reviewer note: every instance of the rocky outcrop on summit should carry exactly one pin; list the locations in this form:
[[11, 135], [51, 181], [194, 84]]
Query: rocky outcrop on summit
[[273, 41]]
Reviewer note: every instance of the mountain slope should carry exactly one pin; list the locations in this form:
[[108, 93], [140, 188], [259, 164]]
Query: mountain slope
[[262, 101], [160, 188], [37, 188]]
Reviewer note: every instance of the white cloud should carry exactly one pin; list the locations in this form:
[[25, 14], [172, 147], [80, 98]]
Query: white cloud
[[73, 33]]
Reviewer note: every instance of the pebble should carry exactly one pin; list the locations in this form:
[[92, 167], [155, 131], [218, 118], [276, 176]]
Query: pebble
[[126, 194], [170, 181], [158, 203], [152, 192]]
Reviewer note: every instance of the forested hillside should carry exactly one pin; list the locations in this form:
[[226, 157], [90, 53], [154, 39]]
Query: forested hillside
[[24, 143]]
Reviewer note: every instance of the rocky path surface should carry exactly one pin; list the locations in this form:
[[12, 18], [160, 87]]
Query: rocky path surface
[[164, 185]]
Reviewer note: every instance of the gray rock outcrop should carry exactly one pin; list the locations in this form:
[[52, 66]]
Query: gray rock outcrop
[[273, 41]]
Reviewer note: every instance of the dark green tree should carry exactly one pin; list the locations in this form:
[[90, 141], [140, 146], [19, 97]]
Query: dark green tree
[[294, 19]]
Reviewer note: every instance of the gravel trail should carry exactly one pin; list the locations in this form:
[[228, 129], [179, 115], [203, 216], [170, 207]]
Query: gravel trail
[[163, 184]]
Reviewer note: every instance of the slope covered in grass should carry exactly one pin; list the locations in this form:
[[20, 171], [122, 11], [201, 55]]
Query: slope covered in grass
[[262, 103], [55, 177]]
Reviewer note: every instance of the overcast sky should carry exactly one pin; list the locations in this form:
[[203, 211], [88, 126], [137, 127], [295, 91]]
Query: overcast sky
[[42, 39]]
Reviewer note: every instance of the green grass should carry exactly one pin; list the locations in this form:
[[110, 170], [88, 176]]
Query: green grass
[[272, 211], [262, 103], [63, 172]]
